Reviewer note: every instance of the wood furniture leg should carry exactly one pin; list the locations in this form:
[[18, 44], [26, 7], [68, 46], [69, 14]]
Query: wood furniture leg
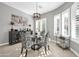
[[26, 53], [21, 50]]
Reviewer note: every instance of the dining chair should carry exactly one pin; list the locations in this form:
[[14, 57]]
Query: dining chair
[[44, 42], [26, 41]]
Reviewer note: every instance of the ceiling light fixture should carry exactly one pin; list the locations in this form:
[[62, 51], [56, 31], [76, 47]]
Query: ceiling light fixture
[[36, 15]]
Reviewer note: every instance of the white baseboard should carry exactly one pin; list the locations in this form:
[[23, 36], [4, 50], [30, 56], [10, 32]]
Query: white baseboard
[[3, 44], [77, 54]]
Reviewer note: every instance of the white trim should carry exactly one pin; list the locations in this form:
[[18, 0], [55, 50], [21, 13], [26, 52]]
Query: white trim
[[77, 54], [3, 44]]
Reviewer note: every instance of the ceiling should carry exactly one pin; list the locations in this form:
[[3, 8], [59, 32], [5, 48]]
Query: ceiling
[[30, 7]]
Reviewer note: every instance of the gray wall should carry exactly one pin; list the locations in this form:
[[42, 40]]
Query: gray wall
[[75, 47], [50, 17], [5, 18]]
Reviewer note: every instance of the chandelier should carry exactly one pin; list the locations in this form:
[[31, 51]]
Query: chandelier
[[36, 15]]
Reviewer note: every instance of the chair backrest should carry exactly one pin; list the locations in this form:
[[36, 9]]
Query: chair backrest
[[22, 35], [22, 38], [29, 41], [28, 34], [45, 38]]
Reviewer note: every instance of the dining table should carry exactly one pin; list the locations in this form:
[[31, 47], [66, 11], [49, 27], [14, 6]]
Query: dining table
[[36, 39]]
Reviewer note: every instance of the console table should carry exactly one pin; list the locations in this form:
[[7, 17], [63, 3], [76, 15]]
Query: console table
[[63, 42], [14, 37]]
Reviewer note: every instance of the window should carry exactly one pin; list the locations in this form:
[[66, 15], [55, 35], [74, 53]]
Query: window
[[75, 22], [66, 23], [41, 25], [62, 24], [57, 25]]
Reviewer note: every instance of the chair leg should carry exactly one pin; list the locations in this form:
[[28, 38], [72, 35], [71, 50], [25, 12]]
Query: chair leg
[[48, 47], [26, 53], [45, 50], [21, 50]]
